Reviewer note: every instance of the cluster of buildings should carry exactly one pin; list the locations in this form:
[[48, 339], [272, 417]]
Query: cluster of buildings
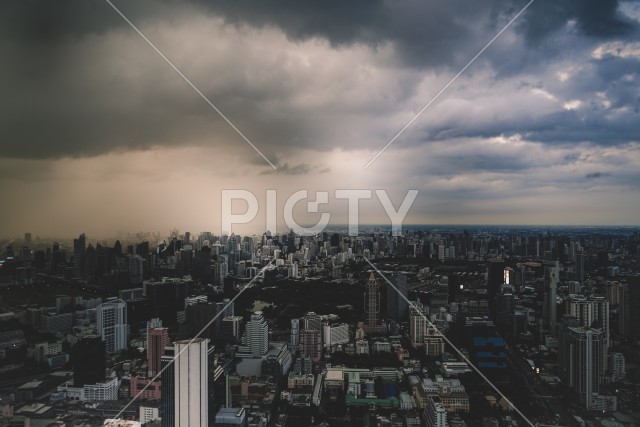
[[163, 343]]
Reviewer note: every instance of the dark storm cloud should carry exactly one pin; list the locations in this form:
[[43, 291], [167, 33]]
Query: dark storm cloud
[[425, 33], [63, 100], [594, 18], [595, 175]]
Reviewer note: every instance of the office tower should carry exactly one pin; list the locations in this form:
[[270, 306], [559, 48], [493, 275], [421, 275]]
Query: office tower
[[613, 292], [111, 323], [397, 306], [231, 327], [157, 340], [617, 366], [566, 321], [519, 276], [167, 393], [372, 303], [592, 312], [89, 361], [551, 275], [436, 413], [585, 360], [222, 312], [311, 344], [504, 304], [257, 334], [433, 342], [294, 340], [580, 261], [79, 248], [417, 325], [628, 311], [495, 276], [191, 376], [136, 269], [312, 320]]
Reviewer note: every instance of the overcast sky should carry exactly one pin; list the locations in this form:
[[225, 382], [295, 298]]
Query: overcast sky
[[98, 134]]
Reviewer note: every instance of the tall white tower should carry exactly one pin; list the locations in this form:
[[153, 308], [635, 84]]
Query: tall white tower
[[111, 323], [191, 376]]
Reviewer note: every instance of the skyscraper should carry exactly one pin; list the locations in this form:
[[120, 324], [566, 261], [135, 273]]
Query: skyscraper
[[157, 340], [592, 312], [294, 340], [397, 306], [111, 323], [79, 247], [372, 305], [551, 275], [417, 325], [257, 334], [311, 344], [580, 261], [585, 360], [495, 276], [628, 312], [191, 376], [168, 389]]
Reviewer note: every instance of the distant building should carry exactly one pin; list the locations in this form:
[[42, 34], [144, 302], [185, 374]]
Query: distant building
[[111, 323], [551, 277], [157, 340], [397, 306]]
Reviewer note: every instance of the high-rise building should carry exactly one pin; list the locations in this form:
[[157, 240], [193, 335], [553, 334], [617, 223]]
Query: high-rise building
[[566, 321], [294, 340], [372, 305], [551, 276], [311, 344], [397, 306], [191, 376], [628, 312], [436, 414], [417, 325], [312, 320], [580, 265], [617, 366], [89, 360], [495, 276], [79, 248], [592, 312], [257, 334], [433, 342], [157, 340], [168, 389], [111, 323], [231, 327], [585, 360]]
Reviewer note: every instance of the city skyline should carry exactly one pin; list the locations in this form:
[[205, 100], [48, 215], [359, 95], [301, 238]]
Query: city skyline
[[100, 134]]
